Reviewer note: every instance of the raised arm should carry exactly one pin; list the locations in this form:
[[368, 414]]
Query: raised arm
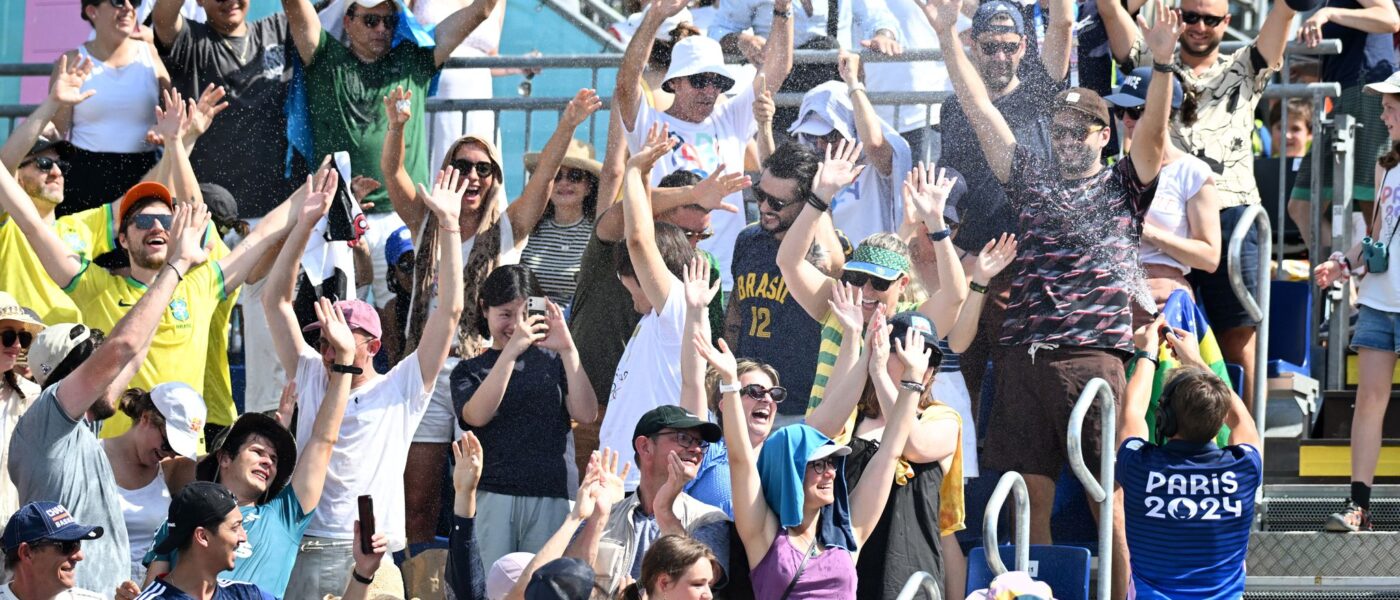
[[59, 261], [281, 283], [527, 210], [698, 294], [994, 135], [481, 408], [465, 574], [608, 492], [1138, 396], [755, 522], [872, 136], [355, 589], [114, 363], [1059, 33], [627, 94], [402, 195], [928, 192], [763, 111], [64, 93], [650, 268], [441, 327], [241, 264], [610, 175], [310, 476], [62, 118], [172, 123], [305, 26], [453, 30], [777, 50], [1374, 16], [709, 194], [809, 286], [1122, 33], [166, 20], [1150, 139], [1187, 349], [1273, 33], [995, 256], [870, 495], [848, 376], [1201, 248], [586, 507]]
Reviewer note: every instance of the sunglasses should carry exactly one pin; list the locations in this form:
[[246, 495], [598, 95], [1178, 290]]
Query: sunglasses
[[1129, 113], [117, 4], [704, 80], [821, 467], [685, 439], [1192, 18], [148, 221], [373, 21], [859, 279], [64, 547], [9, 337], [699, 235], [483, 169], [44, 163], [1078, 133], [778, 393], [994, 48], [572, 175], [773, 201]]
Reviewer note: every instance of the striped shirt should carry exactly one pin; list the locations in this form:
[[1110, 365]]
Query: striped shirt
[[226, 590], [830, 347], [1188, 508], [554, 253]]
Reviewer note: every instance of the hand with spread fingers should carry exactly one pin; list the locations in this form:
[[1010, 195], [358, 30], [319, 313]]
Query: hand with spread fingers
[[583, 104], [995, 256], [845, 305], [837, 171], [713, 189], [398, 106], [657, 145], [445, 199], [698, 291], [67, 89]]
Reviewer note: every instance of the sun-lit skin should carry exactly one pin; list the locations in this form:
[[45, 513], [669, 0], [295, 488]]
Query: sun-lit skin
[[998, 70], [249, 472], [45, 570], [656, 448], [1297, 139], [224, 540], [370, 44], [45, 187], [871, 299], [148, 442], [772, 220], [693, 584], [110, 22], [228, 17], [819, 489], [569, 195], [501, 320], [147, 247], [1390, 115], [691, 220], [9, 355], [760, 410], [692, 104], [1200, 40]]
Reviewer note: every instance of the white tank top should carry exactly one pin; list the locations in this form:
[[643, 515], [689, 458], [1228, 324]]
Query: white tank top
[[144, 510], [1176, 184], [1381, 291], [117, 117]]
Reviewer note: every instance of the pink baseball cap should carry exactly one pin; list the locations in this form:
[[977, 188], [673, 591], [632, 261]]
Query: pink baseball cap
[[358, 315]]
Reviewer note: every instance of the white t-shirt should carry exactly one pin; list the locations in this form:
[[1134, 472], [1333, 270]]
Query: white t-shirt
[[1381, 291], [1176, 184], [370, 454], [922, 76], [68, 594], [266, 375], [874, 203], [703, 147], [648, 375]]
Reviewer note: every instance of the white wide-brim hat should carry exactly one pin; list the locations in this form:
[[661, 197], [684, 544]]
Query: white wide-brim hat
[[697, 54]]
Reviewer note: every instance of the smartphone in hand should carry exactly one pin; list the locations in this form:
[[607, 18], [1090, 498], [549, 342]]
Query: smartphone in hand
[[366, 524]]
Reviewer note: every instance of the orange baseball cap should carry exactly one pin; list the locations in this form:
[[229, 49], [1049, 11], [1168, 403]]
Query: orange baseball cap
[[142, 191]]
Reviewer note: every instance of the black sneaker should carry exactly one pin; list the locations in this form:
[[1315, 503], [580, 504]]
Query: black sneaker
[[1353, 518]]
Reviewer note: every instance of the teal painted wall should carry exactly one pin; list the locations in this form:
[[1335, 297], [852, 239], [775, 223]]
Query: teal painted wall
[[11, 45]]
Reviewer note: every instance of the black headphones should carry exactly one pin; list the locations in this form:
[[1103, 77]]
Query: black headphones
[[1166, 424]]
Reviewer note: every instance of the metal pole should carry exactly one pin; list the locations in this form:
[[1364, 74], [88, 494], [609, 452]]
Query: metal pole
[[1097, 389], [1011, 482], [920, 580], [1343, 151], [1257, 305]]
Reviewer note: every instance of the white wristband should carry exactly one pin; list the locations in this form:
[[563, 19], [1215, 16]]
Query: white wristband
[[728, 388]]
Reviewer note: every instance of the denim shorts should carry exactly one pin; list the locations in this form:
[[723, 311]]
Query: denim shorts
[[1377, 330]]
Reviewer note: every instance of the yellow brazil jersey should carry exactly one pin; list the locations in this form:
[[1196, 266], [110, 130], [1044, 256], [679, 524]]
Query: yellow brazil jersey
[[179, 349], [23, 276]]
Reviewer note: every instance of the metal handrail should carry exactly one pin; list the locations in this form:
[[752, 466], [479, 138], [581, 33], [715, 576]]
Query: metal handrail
[[920, 580], [1011, 482], [1100, 490], [1257, 305]]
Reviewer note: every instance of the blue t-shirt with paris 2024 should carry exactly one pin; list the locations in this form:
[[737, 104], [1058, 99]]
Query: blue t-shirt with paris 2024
[[1188, 507]]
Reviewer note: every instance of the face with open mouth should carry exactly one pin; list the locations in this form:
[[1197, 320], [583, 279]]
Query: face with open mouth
[[252, 470], [479, 187], [760, 411], [147, 236]]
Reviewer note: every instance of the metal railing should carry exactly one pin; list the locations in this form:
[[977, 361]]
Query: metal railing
[[1100, 490], [1256, 304], [920, 581], [1012, 483]]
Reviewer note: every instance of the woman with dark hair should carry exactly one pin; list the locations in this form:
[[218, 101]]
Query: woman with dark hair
[[675, 567], [526, 386], [553, 217], [166, 424], [18, 326]]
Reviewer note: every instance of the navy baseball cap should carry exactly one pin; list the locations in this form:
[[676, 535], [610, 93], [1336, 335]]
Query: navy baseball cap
[[900, 325], [995, 10], [1133, 91], [44, 521]]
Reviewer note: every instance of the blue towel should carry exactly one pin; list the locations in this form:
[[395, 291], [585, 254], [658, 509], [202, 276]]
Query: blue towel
[[298, 109], [782, 465]]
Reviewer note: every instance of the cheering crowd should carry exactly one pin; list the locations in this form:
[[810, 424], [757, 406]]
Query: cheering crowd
[[618, 384]]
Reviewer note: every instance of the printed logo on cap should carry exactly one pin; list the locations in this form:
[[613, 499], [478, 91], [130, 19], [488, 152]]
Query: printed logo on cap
[[921, 324], [59, 516], [1132, 81]]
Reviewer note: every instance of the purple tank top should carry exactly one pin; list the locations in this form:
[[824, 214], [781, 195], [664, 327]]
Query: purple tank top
[[831, 574]]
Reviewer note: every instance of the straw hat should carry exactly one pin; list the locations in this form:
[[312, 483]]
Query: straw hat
[[10, 310], [578, 156]]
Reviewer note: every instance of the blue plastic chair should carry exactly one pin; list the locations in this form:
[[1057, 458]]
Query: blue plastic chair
[[1290, 337], [1236, 374], [1064, 568]]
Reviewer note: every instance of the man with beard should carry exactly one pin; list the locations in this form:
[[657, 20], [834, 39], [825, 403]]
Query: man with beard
[[764, 322], [1216, 124], [250, 61], [54, 452], [999, 46], [1068, 319]]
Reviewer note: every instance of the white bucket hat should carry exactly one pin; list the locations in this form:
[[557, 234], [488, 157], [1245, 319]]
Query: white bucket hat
[[697, 54]]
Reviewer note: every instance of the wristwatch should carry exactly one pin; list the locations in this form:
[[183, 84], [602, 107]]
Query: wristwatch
[[349, 369], [1147, 355], [728, 388], [940, 235]]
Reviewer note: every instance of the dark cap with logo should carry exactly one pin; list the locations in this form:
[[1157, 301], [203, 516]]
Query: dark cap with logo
[[987, 15], [1084, 101], [197, 505], [675, 417], [39, 521]]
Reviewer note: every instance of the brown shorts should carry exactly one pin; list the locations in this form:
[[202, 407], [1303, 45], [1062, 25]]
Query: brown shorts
[[1029, 424]]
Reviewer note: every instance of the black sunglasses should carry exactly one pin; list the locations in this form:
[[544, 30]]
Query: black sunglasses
[[773, 201], [698, 235], [702, 80], [9, 337], [1192, 18], [1133, 113], [483, 169], [859, 279], [44, 163], [148, 221], [573, 175], [993, 48], [1078, 133], [118, 4], [373, 21], [64, 547], [778, 393]]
